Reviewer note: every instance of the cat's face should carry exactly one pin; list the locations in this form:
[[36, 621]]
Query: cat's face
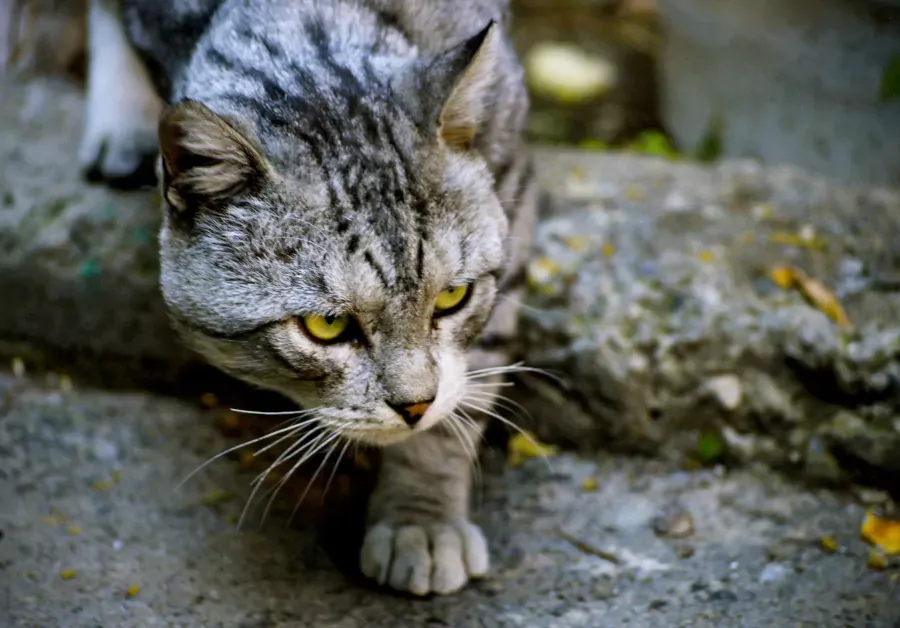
[[349, 271], [358, 317]]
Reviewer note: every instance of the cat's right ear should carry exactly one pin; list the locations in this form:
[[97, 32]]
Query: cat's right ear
[[205, 160]]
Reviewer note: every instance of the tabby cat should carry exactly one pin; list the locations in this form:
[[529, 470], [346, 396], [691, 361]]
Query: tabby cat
[[347, 205]]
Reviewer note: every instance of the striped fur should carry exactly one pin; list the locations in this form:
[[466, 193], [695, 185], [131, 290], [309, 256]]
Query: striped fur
[[344, 157]]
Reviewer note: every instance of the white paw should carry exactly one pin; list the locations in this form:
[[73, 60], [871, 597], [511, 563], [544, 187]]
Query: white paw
[[436, 558], [120, 136]]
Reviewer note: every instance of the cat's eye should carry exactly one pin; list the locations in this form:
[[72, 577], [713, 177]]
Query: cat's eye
[[451, 300], [326, 328]]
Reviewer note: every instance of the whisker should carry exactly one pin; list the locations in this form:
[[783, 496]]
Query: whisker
[[291, 429], [312, 480], [513, 368], [508, 423], [335, 468], [513, 407], [302, 444], [281, 413], [287, 476]]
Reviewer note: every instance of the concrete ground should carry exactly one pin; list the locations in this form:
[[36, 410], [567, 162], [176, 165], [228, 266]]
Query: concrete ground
[[89, 513]]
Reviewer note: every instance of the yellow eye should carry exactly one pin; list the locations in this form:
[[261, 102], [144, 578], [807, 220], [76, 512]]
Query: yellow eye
[[450, 299], [325, 328]]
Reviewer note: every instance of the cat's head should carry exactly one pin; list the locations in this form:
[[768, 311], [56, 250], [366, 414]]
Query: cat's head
[[348, 258]]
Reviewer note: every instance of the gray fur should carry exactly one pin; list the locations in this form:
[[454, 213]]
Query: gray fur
[[350, 157]]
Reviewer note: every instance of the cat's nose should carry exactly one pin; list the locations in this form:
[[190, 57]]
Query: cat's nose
[[412, 412]]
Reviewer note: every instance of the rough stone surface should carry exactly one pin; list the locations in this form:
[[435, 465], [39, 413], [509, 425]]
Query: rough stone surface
[[650, 295], [87, 487]]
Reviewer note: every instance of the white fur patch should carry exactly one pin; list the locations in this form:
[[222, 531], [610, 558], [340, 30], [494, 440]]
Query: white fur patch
[[122, 106]]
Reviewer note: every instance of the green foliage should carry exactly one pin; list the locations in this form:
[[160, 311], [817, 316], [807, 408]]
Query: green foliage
[[652, 143], [592, 144], [710, 447], [890, 80], [710, 147]]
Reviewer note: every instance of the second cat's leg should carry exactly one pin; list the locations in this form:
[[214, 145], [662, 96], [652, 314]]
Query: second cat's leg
[[119, 141], [420, 538]]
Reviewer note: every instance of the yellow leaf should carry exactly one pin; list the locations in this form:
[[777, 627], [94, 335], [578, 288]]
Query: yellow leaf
[[799, 240], [589, 485], [576, 243], [73, 530], [783, 277], [133, 590], [877, 560], [706, 256], [813, 291], [883, 533], [526, 445], [608, 249], [828, 544], [67, 574]]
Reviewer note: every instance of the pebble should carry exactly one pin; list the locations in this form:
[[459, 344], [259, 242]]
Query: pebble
[[773, 572], [674, 522]]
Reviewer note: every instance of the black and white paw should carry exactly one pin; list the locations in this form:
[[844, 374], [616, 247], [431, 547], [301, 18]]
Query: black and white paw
[[422, 559], [119, 145]]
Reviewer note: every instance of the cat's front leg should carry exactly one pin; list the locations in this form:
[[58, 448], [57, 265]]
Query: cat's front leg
[[420, 539], [119, 142]]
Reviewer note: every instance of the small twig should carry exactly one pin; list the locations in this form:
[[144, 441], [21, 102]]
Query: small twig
[[586, 548]]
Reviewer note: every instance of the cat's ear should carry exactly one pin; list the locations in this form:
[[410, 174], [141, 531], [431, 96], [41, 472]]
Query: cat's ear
[[205, 160], [462, 80]]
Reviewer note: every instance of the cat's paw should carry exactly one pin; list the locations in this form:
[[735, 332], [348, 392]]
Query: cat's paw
[[421, 559], [119, 144]]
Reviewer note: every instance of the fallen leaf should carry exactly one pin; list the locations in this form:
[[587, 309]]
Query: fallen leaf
[[576, 243], [799, 240], [877, 560], [73, 530], [589, 485], [706, 256], [813, 291], [133, 590], [608, 249], [525, 445], [828, 544], [881, 532], [67, 574]]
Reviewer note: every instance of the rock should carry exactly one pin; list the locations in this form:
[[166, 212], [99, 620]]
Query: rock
[[649, 292], [668, 322], [818, 93], [194, 569]]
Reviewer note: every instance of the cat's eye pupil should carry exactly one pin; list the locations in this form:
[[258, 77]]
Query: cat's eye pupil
[[329, 320]]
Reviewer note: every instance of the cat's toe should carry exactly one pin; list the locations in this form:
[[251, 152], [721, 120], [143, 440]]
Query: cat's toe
[[438, 558]]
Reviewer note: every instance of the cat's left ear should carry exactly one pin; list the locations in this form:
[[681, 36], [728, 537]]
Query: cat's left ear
[[205, 159], [461, 82]]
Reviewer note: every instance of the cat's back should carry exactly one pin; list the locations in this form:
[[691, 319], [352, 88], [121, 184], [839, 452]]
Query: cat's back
[[170, 34]]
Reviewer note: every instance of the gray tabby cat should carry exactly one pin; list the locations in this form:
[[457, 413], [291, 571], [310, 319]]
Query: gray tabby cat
[[347, 206]]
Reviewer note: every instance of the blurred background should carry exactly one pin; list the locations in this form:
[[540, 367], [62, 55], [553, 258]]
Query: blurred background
[[813, 83]]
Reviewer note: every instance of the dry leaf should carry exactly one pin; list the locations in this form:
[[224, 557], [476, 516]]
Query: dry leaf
[[526, 445], [883, 533], [589, 484], [813, 291], [133, 590], [828, 544], [67, 574], [800, 240]]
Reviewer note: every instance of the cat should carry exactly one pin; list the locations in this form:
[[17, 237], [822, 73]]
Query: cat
[[348, 202]]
